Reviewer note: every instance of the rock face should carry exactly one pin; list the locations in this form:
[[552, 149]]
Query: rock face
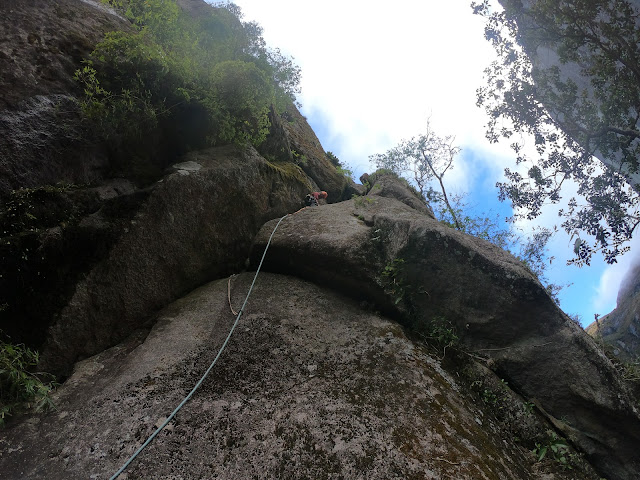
[[320, 379], [382, 251], [292, 139], [43, 43], [42, 140], [621, 328], [194, 225], [82, 266], [310, 386], [383, 184]]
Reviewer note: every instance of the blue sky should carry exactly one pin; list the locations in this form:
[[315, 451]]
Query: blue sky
[[372, 74]]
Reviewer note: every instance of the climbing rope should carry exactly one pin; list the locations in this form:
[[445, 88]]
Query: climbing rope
[[229, 294], [186, 399]]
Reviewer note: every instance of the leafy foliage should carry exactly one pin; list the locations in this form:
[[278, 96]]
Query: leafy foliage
[[342, 169], [334, 159], [442, 332], [19, 388], [213, 68], [244, 94], [19, 214], [570, 120], [425, 160], [392, 280], [496, 396], [554, 447]]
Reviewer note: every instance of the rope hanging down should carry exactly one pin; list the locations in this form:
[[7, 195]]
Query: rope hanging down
[[186, 399], [229, 294]]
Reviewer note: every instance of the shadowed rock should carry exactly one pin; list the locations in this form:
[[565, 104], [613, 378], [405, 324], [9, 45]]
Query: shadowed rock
[[195, 225]]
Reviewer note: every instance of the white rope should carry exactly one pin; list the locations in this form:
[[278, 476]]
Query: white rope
[[186, 399], [229, 294]]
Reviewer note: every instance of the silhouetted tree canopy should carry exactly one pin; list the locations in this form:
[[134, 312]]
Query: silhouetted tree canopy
[[568, 76]]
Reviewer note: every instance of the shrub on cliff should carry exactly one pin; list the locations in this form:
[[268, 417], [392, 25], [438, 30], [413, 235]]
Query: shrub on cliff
[[205, 80], [19, 387]]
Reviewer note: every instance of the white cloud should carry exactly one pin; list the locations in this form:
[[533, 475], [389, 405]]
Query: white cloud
[[373, 72], [607, 289], [379, 71], [606, 292]]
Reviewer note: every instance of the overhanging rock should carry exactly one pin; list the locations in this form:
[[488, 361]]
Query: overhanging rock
[[194, 226]]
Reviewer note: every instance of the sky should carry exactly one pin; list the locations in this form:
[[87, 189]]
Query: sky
[[373, 74]]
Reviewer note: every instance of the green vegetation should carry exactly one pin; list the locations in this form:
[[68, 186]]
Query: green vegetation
[[288, 171], [498, 398], [342, 169], [570, 117], [361, 201], [299, 158], [440, 331], [528, 408], [213, 76], [20, 389], [423, 161], [424, 158], [333, 159], [628, 368], [21, 213], [555, 448], [392, 282], [347, 172], [631, 371]]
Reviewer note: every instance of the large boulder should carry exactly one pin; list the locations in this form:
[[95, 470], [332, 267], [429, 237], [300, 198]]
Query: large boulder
[[82, 254], [309, 386], [194, 225], [381, 250], [384, 183]]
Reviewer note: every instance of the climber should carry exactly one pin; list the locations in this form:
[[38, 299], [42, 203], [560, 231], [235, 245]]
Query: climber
[[311, 199]]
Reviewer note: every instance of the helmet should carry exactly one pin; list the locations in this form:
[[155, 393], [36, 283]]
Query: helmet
[[323, 194]]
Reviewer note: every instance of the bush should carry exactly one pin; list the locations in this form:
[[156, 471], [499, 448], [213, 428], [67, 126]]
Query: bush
[[333, 159], [439, 331], [243, 95], [214, 63], [19, 388]]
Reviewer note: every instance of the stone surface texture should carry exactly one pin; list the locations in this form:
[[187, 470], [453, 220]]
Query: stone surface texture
[[310, 386], [194, 225], [328, 374], [499, 309]]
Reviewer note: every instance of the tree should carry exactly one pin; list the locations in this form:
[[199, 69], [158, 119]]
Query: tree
[[568, 74], [425, 158], [423, 161], [215, 69], [283, 70]]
